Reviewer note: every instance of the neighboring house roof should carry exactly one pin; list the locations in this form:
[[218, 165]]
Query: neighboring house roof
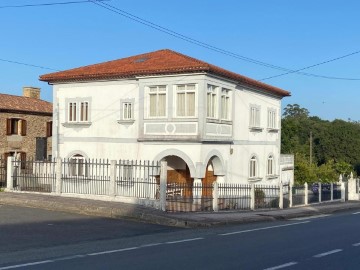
[[160, 62], [10, 103]]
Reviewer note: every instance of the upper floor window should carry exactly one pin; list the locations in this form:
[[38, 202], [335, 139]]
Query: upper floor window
[[185, 100], [253, 168], [157, 103], [78, 111], [272, 119], [16, 126], [270, 165], [254, 116], [225, 104], [211, 111]]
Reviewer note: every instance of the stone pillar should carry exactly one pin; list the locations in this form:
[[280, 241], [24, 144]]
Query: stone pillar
[[112, 184], [163, 180], [197, 191], [319, 190], [306, 193], [342, 191], [58, 174], [331, 191], [352, 195], [290, 194]]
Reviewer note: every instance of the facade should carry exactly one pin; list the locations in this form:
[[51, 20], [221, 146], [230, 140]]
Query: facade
[[206, 122], [26, 126]]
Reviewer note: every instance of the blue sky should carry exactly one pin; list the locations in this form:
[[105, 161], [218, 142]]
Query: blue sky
[[289, 34]]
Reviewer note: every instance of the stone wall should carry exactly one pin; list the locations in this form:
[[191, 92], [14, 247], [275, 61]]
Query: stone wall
[[36, 127]]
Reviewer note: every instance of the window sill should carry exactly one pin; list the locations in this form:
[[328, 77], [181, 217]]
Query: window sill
[[126, 122], [256, 129], [254, 179], [219, 121], [77, 124], [270, 177], [273, 130]]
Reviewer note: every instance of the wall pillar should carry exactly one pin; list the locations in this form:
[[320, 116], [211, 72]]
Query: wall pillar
[[163, 180], [306, 193], [112, 184], [58, 174], [9, 174]]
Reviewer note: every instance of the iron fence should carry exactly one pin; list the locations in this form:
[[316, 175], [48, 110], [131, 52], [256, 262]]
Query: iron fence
[[298, 195], [266, 196], [313, 194], [2, 173], [37, 176], [86, 176], [137, 179], [336, 191], [234, 196], [325, 192], [286, 195]]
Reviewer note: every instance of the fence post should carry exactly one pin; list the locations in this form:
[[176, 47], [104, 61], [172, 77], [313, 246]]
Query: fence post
[[320, 191], [216, 197], [306, 193], [112, 183], [331, 191], [58, 174], [281, 196], [252, 197], [342, 191], [290, 195], [9, 174], [163, 176]]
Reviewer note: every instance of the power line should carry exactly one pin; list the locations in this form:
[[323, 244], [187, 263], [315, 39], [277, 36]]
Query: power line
[[50, 4], [219, 50], [26, 64]]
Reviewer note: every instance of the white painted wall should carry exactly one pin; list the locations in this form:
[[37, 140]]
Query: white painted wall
[[106, 138]]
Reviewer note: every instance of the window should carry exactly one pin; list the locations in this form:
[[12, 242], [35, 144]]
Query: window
[[254, 116], [157, 103], [15, 126], [272, 119], [211, 101], [78, 111], [77, 166], [49, 129], [127, 111], [253, 170], [185, 100], [225, 104], [270, 165]]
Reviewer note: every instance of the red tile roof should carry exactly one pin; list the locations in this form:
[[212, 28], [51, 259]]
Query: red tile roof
[[154, 63], [12, 103]]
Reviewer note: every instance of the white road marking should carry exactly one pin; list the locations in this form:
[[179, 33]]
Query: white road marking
[[151, 245], [184, 240], [111, 251], [264, 228], [311, 217], [25, 264], [281, 266], [356, 213], [69, 258], [327, 253], [356, 244]]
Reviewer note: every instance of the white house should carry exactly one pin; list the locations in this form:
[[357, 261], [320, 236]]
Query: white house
[[206, 122]]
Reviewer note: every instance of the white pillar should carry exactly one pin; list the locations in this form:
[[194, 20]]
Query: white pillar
[[163, 180], [216, 197], [9, 174], [331, 191], [197, 190], [342, 191], [306, 193], [112, 184], [290, 194], [319, 190], [252, 197], [58, 175], [281, 196]]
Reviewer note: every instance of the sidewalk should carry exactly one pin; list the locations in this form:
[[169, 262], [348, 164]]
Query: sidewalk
[[139, 213]]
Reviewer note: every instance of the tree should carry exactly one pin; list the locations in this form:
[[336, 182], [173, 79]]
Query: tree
[[294, 110]]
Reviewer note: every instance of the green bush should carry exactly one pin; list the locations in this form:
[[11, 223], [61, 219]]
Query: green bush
[[275, 203], [259, 197]]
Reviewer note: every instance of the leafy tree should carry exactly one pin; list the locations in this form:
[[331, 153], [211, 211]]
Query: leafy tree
[[294, 110]]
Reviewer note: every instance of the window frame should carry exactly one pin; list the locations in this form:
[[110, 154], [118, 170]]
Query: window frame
[[212, 92], [20, 126], [125, 103], [78, 111], [227, 96], [149, 93], [186, 93], [255, 117], [253, 167], [272, 123], [75, 167]]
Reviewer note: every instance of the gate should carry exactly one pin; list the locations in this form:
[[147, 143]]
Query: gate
[[2, 173]]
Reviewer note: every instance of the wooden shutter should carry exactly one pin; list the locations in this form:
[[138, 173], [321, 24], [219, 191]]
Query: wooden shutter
[[23, 160], [8, 126], [49, 129], [23, 127]]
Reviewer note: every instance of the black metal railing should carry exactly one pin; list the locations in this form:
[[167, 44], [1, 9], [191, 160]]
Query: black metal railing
[[298, 195], [234, 196], [266, 196], [2, 173]]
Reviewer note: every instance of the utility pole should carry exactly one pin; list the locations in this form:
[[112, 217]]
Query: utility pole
[[311, 140]]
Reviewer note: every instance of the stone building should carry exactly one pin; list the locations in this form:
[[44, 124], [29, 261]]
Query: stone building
[[26, 126]]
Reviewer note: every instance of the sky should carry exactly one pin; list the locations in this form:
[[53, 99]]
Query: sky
[[278, 33]]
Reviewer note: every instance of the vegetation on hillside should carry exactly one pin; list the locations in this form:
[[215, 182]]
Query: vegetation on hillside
[[334, 147]]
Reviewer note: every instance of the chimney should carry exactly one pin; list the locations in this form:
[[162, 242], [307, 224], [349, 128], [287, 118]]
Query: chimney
[[31, 92]]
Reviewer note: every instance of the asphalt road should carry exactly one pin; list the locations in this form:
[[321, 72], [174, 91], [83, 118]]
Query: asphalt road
[[323, 242]]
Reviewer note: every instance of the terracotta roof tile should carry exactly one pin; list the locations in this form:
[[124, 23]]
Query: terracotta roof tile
[[160, 62], [24, 104]]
